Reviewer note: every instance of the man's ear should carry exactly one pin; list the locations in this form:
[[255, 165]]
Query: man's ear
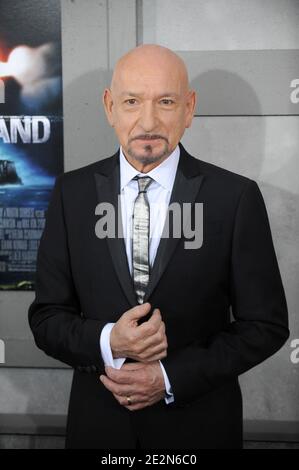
[[108, 104], [191, 103]]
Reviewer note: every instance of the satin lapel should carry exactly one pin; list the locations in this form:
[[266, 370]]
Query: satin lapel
[[107, 186], [185, 189]]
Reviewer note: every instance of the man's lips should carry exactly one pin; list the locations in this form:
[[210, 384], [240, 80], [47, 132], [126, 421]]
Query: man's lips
[[149, 139]]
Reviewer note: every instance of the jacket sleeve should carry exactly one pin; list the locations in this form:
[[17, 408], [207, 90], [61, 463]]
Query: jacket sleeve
[[55, 316], [260, 325]]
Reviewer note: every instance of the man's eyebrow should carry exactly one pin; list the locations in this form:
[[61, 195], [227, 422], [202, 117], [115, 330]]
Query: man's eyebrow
[[162, 95], [130, 93], [172, 95]]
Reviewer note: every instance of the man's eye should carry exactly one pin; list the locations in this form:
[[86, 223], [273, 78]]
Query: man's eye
[[131, 101], [166, 101]]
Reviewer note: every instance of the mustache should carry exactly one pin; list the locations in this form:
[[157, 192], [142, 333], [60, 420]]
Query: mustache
[[149, 137]]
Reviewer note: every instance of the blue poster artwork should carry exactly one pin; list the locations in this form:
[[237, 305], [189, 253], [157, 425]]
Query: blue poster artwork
[[31, 131]]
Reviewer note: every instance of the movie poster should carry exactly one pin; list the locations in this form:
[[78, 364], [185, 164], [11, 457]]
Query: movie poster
[[31, 131]]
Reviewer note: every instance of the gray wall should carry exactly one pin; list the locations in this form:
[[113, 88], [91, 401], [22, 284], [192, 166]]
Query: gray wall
[[95, 33], [264, 148]]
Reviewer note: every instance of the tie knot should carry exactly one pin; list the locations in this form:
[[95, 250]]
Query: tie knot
[[143, 183]]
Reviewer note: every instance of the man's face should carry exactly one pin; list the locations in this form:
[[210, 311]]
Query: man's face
[[149, 106]]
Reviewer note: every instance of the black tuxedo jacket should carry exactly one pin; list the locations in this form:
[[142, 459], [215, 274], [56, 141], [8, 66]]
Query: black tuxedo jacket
[[83, 282]]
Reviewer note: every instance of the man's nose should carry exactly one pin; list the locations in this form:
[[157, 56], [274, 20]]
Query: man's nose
[[148, 118]]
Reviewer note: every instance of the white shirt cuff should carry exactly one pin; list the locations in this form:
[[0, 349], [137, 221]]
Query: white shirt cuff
[[106, 352], [170, 397]]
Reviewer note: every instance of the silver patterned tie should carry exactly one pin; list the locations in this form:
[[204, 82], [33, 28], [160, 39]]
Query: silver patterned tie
[[140, 238]]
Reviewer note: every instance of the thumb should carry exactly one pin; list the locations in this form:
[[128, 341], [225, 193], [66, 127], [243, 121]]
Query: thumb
[[139, 311]]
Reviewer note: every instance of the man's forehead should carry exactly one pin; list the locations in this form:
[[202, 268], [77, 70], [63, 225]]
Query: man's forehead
[[140, 94], [136, 93], [150, 69], [142, 83], [147, 73]]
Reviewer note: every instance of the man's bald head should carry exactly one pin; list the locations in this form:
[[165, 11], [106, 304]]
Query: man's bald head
[[149, 104], [150, 56]]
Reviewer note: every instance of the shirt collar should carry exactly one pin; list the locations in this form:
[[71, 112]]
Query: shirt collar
[[163, 174]]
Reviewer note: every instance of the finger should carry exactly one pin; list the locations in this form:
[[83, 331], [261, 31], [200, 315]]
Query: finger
[[155, 357], [117, 389], [132, 365], [155, 318], [151, 344], [139, 311], [157, 339], [120, 376], [108, 384], [155, 350], [151, 326], [136, 400]]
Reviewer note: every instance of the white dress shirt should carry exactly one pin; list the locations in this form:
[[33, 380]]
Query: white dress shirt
[[158, 194]]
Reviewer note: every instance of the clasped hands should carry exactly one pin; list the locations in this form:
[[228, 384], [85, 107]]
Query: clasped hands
[[137, 384]]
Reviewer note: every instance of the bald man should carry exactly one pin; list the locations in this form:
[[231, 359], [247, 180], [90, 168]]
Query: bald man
[[143, 315]]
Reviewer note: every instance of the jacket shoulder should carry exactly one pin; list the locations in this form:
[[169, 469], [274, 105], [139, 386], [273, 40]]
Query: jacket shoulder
[[85, 173], [220, 178]]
